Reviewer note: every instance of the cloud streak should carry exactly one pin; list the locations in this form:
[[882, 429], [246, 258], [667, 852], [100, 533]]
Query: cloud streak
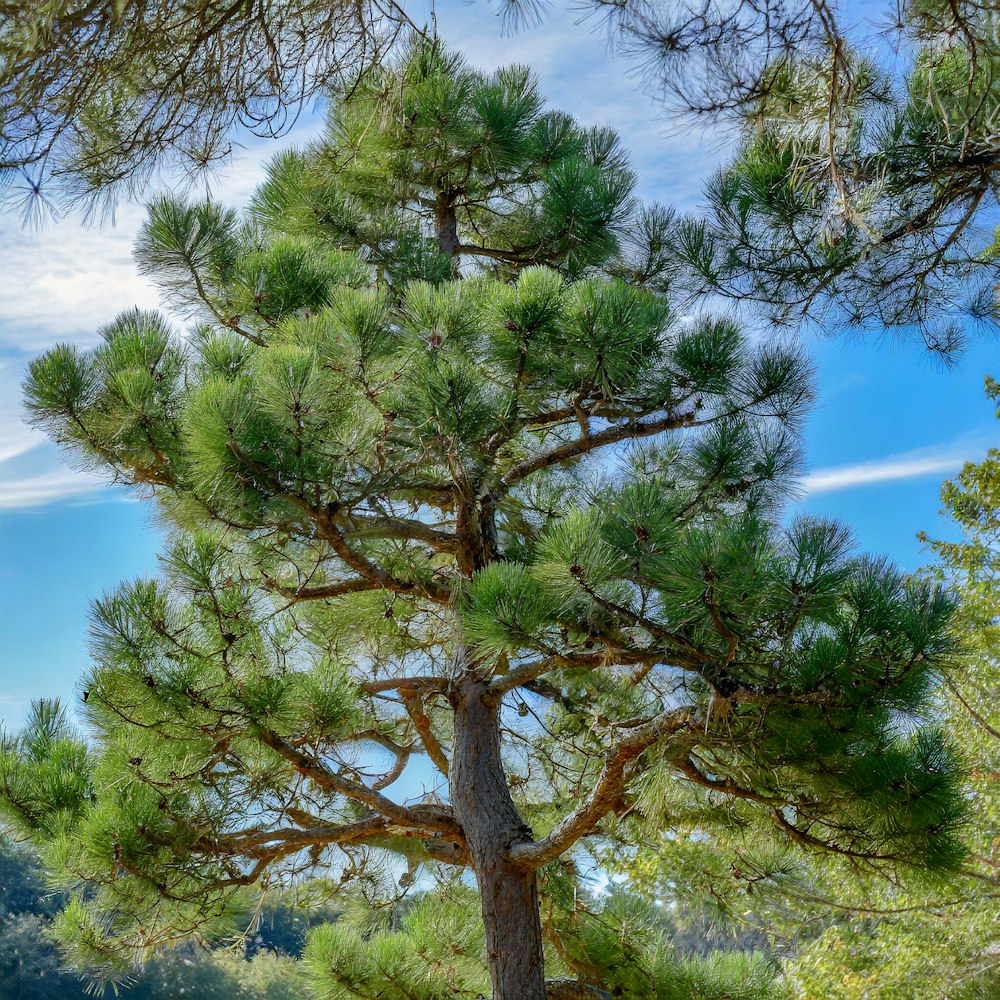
[[32, 473], [907, 465], [26, 491]]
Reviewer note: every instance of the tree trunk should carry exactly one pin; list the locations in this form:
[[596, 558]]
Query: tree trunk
[[481, 800], [446, 226]]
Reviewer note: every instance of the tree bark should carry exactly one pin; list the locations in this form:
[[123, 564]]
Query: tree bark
[[446, 226], [492, 825]]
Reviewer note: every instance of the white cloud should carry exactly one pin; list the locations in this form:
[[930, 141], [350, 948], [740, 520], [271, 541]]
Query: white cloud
[[45, 488], [63, 283], [16, 440], [908, 465], [66, 280], [32, 473]]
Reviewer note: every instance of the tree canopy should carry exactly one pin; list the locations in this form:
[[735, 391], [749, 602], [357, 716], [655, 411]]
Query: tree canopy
[[475, 565], [862, 194], [841, 933], [864, 188]]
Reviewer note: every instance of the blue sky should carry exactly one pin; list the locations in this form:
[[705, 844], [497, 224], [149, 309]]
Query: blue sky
[[888, 427]]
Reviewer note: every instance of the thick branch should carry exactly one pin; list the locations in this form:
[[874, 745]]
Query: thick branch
[[422, 723], [330, 781], [270, 844], [528, 672], [404, 684], [726, 786], [403, 529], [630, 431], [324, 592], [607, 791], [370, 570]]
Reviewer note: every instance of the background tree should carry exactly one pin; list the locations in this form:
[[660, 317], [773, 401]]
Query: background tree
[[949, 940], [842, 934], [474, 564], [33, 968], [864, 189], [30, 965]]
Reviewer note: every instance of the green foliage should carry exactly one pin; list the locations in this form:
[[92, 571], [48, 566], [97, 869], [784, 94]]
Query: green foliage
[[33, 967], [622, 942], [432, 954], [90, 111], [418, 512], [946, 939], [44, 772], [30, 965], [476, 155], [844, 933], [860, 196]]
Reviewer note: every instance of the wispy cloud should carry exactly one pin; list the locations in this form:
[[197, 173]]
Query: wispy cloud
[[67, 280], [16, 440], [907, 465], [63, 283], [31, 471], [21, 492]]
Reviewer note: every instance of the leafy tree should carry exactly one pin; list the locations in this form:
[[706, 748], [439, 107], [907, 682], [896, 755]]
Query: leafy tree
[[221, 974], [864, 191], [22, 888], [31, 967], [475, 567]]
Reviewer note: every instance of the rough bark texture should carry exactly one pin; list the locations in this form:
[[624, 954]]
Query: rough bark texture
[[446, 226], [482, 803]]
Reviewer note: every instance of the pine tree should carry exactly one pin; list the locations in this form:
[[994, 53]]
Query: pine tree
[[458, 502]]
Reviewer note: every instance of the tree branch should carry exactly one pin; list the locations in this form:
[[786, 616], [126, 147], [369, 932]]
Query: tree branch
[[404, 529], [526, 673], [422, 723], [607, 790], [326, 778], [368, 569], [632, 430], [405, 684], [270, 844], [324, 592]]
